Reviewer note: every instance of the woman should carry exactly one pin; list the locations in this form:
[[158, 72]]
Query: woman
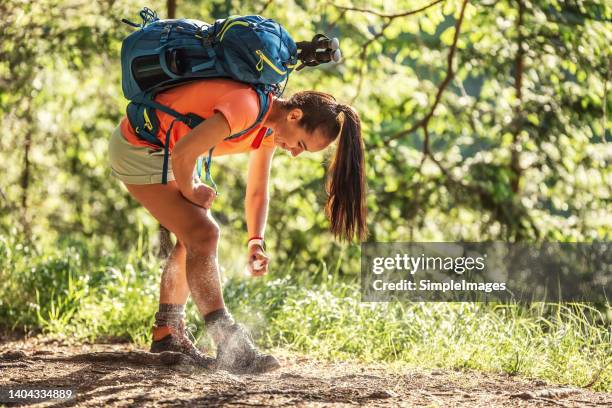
[[308, 121]]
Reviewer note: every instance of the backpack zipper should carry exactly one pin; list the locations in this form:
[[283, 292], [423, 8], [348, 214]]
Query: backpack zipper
[[227, 21], [287, 65], [148, 125], [265, 59], [242, 23], [262, 56]]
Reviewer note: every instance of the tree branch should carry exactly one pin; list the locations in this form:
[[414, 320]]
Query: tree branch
[[387, 15], [604, 118], [265, 7], [362, 56], [389, 19], [427, 153], [515, 165], [9, 204], [449, 76], [333, 24], [475, 190]]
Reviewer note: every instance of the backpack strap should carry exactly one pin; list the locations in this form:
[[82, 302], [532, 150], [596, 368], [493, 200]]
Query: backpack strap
[[265, 100], [207, 165], [166, 153], [192, 120], [165, 34], [144, 123]]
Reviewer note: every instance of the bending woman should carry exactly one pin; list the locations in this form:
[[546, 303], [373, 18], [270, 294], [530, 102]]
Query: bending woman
[[308, 121]]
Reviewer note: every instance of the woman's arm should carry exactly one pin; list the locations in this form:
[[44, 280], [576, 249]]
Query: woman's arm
[[257, 194], [187, 150], [256, 203]]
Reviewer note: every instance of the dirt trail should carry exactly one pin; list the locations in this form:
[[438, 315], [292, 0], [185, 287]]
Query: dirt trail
[[119, 375]]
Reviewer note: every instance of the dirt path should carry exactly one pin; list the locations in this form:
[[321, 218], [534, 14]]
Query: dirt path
[[120, 375]]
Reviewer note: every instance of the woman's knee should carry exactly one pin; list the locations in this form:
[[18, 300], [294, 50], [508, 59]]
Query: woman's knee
[[202, 238]]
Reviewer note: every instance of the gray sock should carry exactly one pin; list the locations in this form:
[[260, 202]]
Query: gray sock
[[216, 322], [169, 315]]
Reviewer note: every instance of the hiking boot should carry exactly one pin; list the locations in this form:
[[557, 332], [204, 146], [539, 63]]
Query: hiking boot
[[174, 339], [236, 353]]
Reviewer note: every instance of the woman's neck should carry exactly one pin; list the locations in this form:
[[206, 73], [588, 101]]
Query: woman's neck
[[276, 113]]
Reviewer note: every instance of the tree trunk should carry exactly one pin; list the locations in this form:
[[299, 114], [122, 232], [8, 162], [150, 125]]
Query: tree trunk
[[165, 242], [518, 87], [171, 7], [25, 183]]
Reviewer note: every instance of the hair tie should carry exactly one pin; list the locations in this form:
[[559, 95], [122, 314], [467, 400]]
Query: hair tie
[[340, 120]]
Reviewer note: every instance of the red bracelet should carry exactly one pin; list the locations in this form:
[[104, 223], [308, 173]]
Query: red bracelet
[[256, 241]]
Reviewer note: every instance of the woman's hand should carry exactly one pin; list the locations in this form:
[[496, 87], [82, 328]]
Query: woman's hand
[[257, 261], [202, 195], [195, 143]]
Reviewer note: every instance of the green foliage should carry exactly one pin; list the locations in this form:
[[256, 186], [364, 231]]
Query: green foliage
[[72, 292], [511, 162], [562, 343], [72, 295], [518, 150]]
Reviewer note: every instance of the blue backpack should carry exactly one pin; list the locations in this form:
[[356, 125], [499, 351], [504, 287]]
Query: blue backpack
[[165, 53]]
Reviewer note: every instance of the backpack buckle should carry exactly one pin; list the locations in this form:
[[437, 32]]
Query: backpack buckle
[[206, 38], [165, 34], [192, 120]]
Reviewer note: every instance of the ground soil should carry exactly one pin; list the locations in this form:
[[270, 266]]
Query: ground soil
[[120, 375]]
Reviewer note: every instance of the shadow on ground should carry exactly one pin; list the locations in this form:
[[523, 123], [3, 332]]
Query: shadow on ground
[[120, 375]]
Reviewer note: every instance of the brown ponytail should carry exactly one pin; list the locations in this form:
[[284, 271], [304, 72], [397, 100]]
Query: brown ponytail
[[346, 202], [346, 187]]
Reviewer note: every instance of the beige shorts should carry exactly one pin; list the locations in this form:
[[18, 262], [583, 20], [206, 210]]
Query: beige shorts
[[136, 164]]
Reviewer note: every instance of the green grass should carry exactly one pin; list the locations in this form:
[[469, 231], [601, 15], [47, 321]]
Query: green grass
[[69, 292], [559, 343]]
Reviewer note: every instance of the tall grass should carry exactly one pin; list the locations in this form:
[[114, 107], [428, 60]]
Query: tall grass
[[563, 343], [67, 292]]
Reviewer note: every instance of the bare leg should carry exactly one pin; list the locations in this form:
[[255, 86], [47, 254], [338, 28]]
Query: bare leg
[[173, 287], [199, 233], [204, 282], [203, 273], [197, 230]]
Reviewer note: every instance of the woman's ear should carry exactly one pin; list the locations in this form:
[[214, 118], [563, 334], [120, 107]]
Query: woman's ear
[[295, 115]]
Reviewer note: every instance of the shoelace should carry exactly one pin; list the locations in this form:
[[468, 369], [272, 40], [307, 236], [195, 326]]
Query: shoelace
[[188, 332], [183, 337]]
